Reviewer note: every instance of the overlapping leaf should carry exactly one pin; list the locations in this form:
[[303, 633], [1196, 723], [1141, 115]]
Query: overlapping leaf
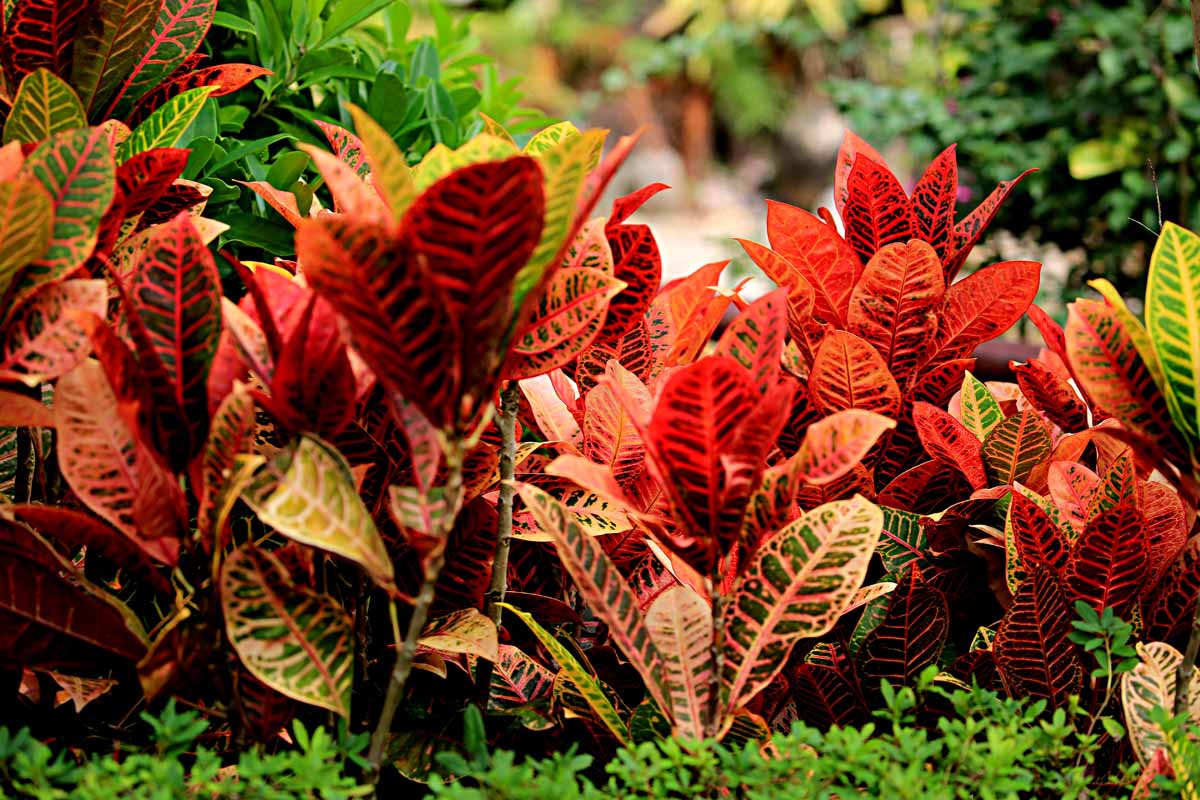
[[44, 105], [933, 202], [680, 621], [848, 373], [1015, 447], [44, 340], [877, 212], [1108, 564], [981, 412], [834, 445], [39, 34], [1173, 322], [911, 634], [26, 223], [948, 441], [517, 680], [818, 254], [178, 31], [108, 47], [1033, 653], [982, 306], [298, 642], [796, 587], [1148, 688], [755, 339], [968, 232], [166, 125]]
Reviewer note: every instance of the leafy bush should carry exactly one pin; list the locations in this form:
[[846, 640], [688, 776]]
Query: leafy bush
[[1097, 91]]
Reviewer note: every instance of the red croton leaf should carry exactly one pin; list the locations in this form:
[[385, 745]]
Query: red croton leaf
[[1172, 606], [848, 373], [852, 146], [817, 255], [877, 212], [933, 203], [45, 339], [968, 232], [825, 696], [346, 146], [1014, 447], [632, 351], [1050, 395], [1033, 653], [610, 431], [176, 293], [911, 635], [39, 33], [982, 306], [226, 78], [624, 207], [1108, 563], [892, 306], [947, 440], [1166, 525], [313, 385], [755, 339], [146, 176], [1038, 539], [637, 262]]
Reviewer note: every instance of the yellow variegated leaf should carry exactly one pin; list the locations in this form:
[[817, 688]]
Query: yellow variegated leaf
[[44, 104], [1173, 320], [465, 632], [389, 169]]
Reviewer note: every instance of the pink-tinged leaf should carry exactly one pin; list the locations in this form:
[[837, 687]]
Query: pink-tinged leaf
[[1110, 369], [968, 232], [1015, 447], [1166, 526], [948, 441], [176, 292], [110, 470], [680, 621], [893, 306], [146, 176], [45, 340], [927, 487], [817, 254], [632, 351], [933, 203], [849, 373], [424, 446], [517, 681], [351, 194], [911, 635], [797, 586], [224, 78], [852, 146], [1038, 539], [178, 31], [1108, 564], [1050, 395], [755, 339], [1052, 333], [553, 416], [283, 202], [346, 146], [1033, 652], [877, 212], [801, 296], [37, 34], [611, 434], [21, 411], [834, 445], [624, 207], [602, 586], [1072, 487], [566, 317], [242, 345], [982, 306]]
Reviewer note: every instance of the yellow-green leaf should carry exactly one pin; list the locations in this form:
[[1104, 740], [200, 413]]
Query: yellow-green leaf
[[389, 169], [44, 104], [1137, 331], [1173, 320], [167, 124], [981, 411], [26, 220]]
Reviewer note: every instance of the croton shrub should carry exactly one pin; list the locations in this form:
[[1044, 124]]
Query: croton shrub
[[465, 449]]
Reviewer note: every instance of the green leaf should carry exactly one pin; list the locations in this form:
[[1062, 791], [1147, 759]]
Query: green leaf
[[298, 642], [111, 41], [1173, 322], [981, 411], [44, 104], [589, 687], [307, 493], [166, 126]]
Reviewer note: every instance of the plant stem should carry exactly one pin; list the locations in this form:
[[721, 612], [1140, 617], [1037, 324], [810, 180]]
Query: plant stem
[[718, 655], [1183, 675], [406, 650], [510, 399], [1196, 32]]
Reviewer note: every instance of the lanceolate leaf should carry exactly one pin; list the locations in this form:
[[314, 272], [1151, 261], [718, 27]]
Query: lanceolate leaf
[[110, 470], [50, 613], [981, 412], [603, 587], [565, 319], [44, 340], [637, 262], [902, 541], [1033, 653], [230, 434], [26, 222], [167, 125], [1015, 447], [298, 642], [947, 441], [1051, 395], [848, 373], [346, 146], [108, 45], [680, 622], [968, 232], [463, 632], [176, 292], [307, 493], [877, 212], [147, 176], [387, 166], [1108, 564], [892, 306], [933, 202], [610, 435], [796, 587], [223, 79], [178, 31], [911, 635], [1115, 377], [1173, 321], [819, 255], [1038, 539], [76, 169], [44, 105], [755, 339], [852, 147], [517, 680], [982, 306]]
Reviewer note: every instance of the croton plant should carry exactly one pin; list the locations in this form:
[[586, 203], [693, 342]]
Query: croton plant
[[466, 449]]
